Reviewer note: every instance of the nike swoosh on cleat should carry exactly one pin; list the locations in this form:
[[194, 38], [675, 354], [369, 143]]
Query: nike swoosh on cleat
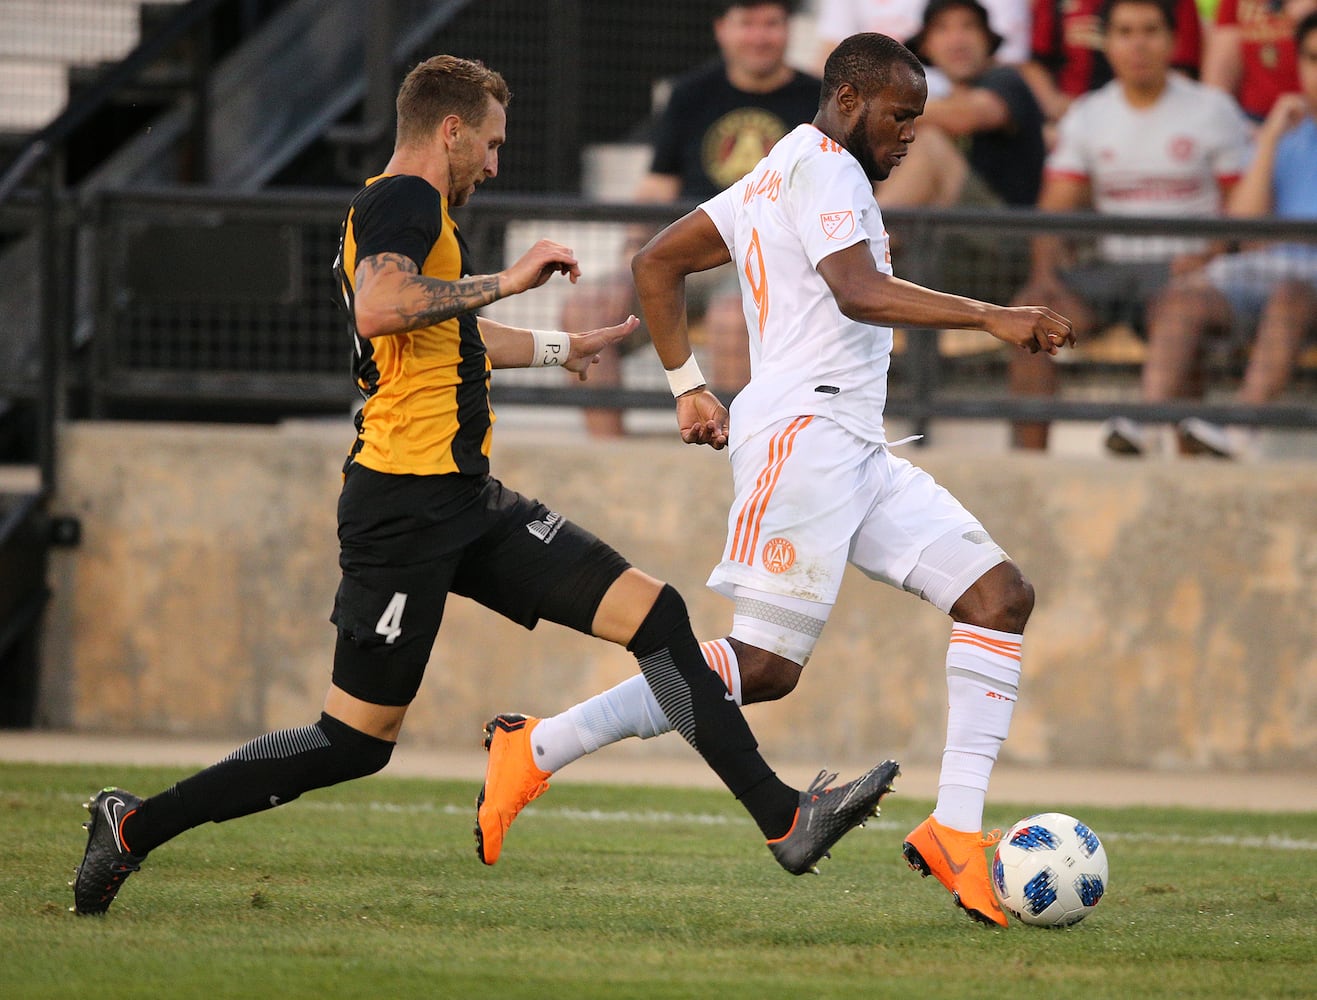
[[956, 869], [729, 696], [113, 807]]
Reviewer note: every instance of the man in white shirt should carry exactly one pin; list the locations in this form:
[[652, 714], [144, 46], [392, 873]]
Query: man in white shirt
[[816, 483], [1149, 143], [1265, 296]]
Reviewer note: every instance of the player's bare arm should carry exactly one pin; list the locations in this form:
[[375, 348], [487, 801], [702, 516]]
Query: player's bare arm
[[514, 347], [689, 245], [392, 296], [868, 295]]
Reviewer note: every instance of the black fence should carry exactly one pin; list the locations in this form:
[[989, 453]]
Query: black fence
[[206, 298], [191, 304]]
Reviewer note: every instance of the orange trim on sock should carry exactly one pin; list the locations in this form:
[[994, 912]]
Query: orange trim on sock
[[1010, 650], [716, 657]]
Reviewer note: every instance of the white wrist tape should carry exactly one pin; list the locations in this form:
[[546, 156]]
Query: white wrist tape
[[552, 348], [685, 378]]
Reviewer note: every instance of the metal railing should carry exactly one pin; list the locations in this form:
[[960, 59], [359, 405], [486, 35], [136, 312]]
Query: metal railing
[[220, 300]]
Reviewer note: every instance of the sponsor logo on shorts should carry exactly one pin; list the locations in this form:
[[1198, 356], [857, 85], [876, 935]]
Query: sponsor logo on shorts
[[779, 555], [546, 529]]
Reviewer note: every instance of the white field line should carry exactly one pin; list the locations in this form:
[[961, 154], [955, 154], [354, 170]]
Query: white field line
[[1269, 841], [1273, 842]]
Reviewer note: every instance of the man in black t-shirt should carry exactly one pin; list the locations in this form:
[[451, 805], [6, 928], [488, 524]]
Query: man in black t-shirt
[[718, 123]]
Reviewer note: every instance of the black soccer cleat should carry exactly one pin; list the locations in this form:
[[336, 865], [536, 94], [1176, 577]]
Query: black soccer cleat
[[825, 815], [107, 861]]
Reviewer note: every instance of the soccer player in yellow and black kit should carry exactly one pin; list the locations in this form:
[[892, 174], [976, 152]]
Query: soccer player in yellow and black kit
[[420, 517]]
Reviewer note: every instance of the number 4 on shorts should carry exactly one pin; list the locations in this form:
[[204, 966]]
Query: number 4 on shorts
[[390, 623]]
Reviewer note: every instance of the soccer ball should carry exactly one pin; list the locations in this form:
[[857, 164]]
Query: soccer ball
[[1050, 870]]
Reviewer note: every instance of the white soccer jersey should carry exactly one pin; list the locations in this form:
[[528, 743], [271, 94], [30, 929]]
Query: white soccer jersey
[[1169, 159], [807, 199]]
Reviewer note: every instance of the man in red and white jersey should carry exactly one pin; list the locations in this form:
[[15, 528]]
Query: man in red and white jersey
[[1149, 143], [1250, 51], [1068, 58], [817, 484]]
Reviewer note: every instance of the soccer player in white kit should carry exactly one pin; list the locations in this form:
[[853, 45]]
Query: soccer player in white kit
[[816, 483]]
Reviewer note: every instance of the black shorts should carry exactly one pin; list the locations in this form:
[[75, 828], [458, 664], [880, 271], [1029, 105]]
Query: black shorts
[[1119, 291], [406, 542]]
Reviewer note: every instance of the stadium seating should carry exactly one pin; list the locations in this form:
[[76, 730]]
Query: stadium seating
[[42, 41]]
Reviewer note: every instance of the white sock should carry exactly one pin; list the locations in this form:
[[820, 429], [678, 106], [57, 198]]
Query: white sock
[[983, 681], [721, 658], [628, 709]]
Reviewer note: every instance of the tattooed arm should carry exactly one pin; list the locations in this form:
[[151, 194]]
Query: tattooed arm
[[392, 297]]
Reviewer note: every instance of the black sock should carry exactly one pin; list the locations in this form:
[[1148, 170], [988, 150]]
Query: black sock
[[695, 702], [267, 772]]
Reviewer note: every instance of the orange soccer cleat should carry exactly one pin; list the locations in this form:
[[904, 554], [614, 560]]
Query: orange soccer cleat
[[956, 859], [511, 781]]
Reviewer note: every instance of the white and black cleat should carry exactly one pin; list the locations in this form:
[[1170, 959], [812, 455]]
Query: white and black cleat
[[826, 814]]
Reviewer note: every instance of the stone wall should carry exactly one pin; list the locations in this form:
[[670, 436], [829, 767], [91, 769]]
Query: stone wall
[[1174, 624]]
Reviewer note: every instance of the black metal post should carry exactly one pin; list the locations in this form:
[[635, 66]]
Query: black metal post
[[381, 29], [51, 343], [562, 164], [202, 58]]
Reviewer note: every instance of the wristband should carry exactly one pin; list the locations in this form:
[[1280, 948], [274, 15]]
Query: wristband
[[682, 380], [551, 348]]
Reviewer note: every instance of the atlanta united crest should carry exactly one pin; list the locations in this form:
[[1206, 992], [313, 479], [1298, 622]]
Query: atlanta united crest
[[779, 555]]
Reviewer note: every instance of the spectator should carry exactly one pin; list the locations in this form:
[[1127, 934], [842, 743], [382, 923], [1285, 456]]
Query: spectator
[[1149, 143], [1066, 59], [989, 111], [1270, 290], [1250, 51], [838, 19], [719, 122]]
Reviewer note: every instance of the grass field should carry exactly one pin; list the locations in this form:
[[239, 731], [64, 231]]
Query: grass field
[[373, 890]]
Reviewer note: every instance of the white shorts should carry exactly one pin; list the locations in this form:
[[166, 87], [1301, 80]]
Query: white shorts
[[811, 496], [1247, 279]]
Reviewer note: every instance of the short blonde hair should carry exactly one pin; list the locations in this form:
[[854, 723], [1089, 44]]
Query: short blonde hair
[[443, 86]]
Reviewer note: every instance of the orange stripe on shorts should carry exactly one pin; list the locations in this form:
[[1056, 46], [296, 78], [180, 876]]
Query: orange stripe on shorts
[[746, 537]]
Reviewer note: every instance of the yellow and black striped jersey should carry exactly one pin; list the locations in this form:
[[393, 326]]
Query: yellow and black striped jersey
[[427, 406]]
